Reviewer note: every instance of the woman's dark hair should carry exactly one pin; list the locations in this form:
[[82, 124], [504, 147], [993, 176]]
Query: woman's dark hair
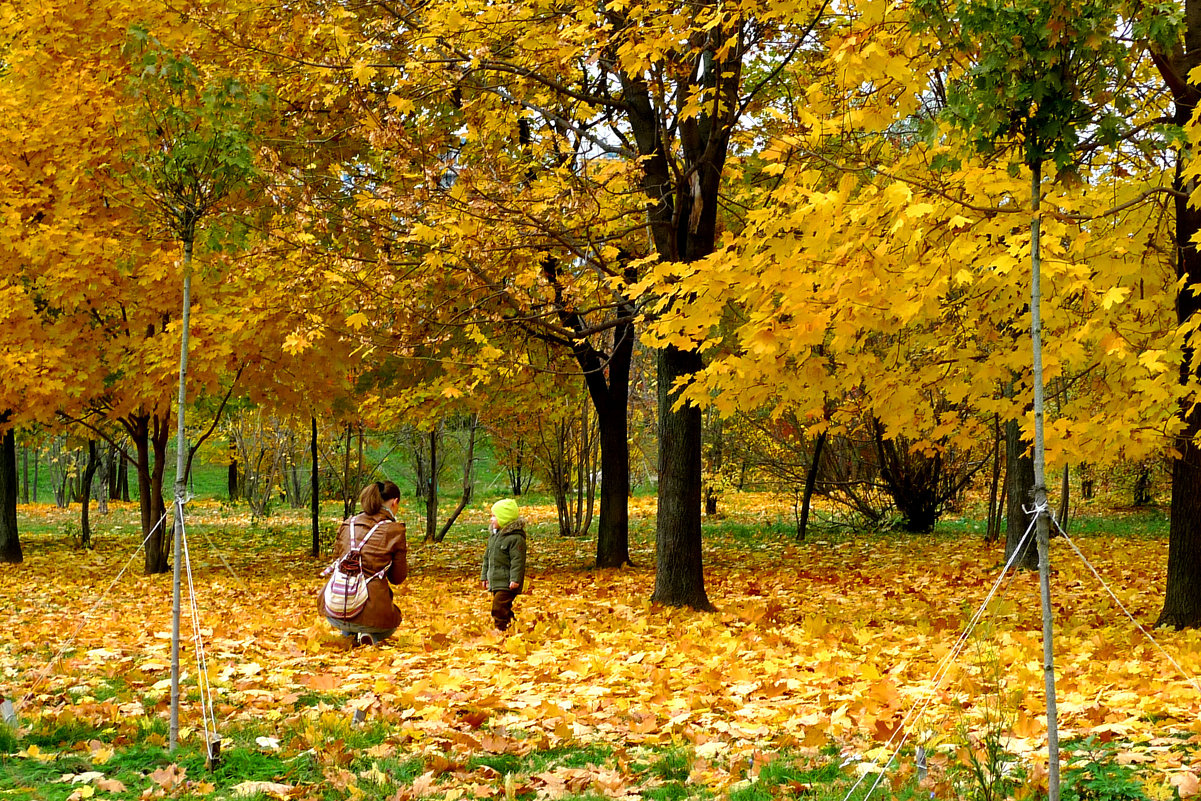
[[372, 498]]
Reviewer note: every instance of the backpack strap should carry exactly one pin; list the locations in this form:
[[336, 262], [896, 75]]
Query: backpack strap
[[356, 547]]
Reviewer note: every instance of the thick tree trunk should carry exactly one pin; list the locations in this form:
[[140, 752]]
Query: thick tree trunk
[[1182, 595], [611, 399], [679, 574], [10, 540], [1019, 469]]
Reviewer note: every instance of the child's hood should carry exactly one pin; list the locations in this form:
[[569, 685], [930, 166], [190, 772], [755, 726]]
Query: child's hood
[[516, 527]]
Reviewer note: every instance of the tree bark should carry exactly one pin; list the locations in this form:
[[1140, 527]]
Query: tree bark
[[231, 473], [85, 495], [468, 480], [1182, 594], [25, 469], [679, 573], [992, 531], [149, 434], [10, 539], [431, 490], [1019, 468], [715, 464], [610, 399], [316, 492], [802, 527]]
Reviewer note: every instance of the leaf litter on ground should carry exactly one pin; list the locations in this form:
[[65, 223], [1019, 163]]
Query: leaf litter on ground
[[833, 645]]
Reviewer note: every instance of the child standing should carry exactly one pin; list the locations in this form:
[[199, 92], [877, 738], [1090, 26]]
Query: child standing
[[504, 560]]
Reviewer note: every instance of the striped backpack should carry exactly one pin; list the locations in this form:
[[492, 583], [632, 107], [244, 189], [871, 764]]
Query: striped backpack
[[345, 593]]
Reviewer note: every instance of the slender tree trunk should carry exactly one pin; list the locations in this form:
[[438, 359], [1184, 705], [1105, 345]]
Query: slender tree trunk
[[37, 461], [348, 493], [819, 445], [316, 491], [431, 490], [679, 574], [711, 495], [468, 480], [1065, 498], [113, 472], [992, 530], [10, 539], [25, 470], [100, 482], [85, 497], [181, 483]]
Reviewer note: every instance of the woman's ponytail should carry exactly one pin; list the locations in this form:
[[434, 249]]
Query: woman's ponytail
[[373, 496]]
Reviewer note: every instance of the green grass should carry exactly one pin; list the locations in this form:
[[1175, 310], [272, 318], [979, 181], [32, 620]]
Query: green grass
[[657, 773]]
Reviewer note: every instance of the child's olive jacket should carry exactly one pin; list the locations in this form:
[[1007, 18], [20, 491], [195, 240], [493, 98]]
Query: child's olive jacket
[[504, 559]]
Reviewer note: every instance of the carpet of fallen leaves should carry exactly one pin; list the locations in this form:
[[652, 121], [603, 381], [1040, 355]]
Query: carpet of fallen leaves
[[840, 642]]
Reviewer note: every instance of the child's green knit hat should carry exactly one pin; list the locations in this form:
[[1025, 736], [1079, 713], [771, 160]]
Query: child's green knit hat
[[505, 511]]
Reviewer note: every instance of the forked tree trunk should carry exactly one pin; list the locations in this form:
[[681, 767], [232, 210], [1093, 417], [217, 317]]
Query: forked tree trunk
[[149, 434]]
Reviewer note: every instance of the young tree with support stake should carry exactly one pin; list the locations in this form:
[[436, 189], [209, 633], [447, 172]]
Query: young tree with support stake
[[1034, 72], [195, 155]]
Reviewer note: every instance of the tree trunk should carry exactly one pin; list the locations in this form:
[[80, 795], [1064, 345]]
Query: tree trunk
[[612, 420], [85, 495], [231, 473], [1019, 468], [1182, 595], [679, 573], [1065, 499], [431, 490], [103, 466], [316, 490], [348, 494], [802, 527], [25, 470], [10, 539], [122, 489], [992, 530], [711, 494], [151, 447], [112, 459], [468, 480]]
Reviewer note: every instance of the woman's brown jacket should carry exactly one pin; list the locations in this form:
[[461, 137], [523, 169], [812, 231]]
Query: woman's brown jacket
[[386, 545]]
